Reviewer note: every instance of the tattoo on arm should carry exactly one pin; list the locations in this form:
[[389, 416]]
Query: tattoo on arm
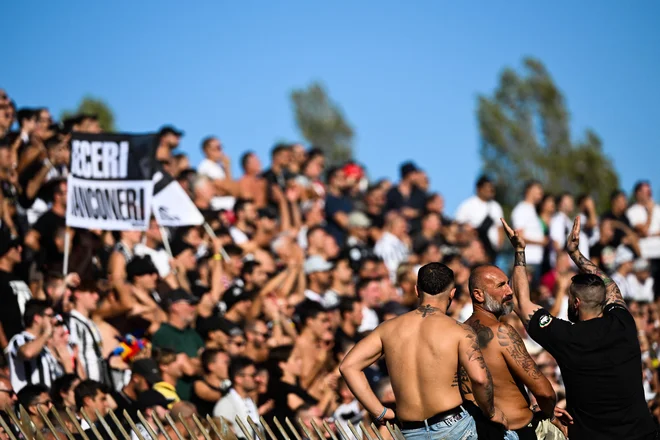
[[520, 259], [462, 380], [484, 334], [426, 310], [612, 292], [509, 338], [474, 354]]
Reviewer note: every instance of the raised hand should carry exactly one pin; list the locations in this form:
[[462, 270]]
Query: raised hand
[[573, 239], [515, 237]]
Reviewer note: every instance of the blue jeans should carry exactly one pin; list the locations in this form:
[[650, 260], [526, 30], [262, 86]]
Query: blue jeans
[[463, 429]]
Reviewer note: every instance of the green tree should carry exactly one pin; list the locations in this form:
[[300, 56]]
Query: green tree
[[322, 123], [525, 134], [97, 107]]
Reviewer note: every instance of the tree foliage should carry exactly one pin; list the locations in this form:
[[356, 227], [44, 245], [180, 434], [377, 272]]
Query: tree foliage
[[322, 123], [525, 135], [97, 107]]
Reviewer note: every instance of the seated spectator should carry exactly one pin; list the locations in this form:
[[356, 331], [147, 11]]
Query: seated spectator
[[14, 292], [252, 184], [171, 371], [7, 395], [214, 383], [62, 392], [394, 245], [85, 333], [151, 404], [91, 396], [144, 374], [34, 396]]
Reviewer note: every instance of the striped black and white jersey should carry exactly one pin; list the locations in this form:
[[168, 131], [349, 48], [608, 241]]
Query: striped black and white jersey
[[86, 335], [42, 369]]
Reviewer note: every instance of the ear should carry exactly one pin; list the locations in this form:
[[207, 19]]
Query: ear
[[452, 293], [417, 291], [478, 295]]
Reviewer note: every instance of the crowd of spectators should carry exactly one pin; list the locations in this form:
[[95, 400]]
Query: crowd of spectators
[[306, 259]]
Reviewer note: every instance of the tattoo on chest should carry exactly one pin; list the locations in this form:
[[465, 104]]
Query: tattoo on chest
[[484, 334], [427, 310]]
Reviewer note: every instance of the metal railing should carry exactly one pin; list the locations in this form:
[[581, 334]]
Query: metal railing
[[193, 427]]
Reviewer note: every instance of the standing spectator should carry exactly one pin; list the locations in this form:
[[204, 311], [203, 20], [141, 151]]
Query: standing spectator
[[85, 333], [603, 252], [524, 217], [43, 232], [407, 198], [641, 282], [617, 213], [251, 184], [561, 224], [351, 319], [280, 157], [168, 140], [171, 372], [343, 284], [337, 205], [209, 388], [257, 335], [30, 360], [319, 273], [14, 292], [483, 213], [237, 403], [644, 216], [394, 245], [311, 345], [246, 216], [623, 261], [178, 335], [215, 165], [370, 293]]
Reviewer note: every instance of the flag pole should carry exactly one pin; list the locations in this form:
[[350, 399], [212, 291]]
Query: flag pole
[[211, 232], [166, 240], [67, 250]]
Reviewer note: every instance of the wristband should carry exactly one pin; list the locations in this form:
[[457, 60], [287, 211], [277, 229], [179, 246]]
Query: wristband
[[217, 257], [382, 415]]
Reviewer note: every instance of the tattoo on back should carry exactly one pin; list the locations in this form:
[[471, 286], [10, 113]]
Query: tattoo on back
[[427, 310], [509, 338], [484, 334], [462, 380]]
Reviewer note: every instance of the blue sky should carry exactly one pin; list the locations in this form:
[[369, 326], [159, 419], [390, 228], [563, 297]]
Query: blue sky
[[406, 74]]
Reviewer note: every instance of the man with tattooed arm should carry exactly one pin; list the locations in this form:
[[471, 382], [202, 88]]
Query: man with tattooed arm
[[598, 354], [423, 350], [510, 364]]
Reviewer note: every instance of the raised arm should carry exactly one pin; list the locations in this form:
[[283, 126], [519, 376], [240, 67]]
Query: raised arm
[[612, 292], [525, 308], [362, 355]]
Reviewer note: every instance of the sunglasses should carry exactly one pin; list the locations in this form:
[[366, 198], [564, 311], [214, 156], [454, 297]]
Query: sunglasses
[[11, 393]]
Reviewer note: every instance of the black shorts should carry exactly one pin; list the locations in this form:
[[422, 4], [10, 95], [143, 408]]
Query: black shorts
[[486, 430]]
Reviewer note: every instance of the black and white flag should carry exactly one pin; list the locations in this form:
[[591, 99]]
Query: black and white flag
[[172, 205], [110, 186]]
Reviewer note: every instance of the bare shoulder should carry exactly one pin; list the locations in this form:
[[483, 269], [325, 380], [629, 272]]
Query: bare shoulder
[[507, 335]]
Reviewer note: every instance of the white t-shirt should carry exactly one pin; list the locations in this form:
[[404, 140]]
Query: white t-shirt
[[211, 169], [393, 251], [638, 215], [238, 236], [369, 320], [524, 217], [638, 291], [474, 211], [560, 226], [159, 257]]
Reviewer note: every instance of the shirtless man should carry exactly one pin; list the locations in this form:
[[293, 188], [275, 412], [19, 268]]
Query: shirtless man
[[423, 350], [510, 364]]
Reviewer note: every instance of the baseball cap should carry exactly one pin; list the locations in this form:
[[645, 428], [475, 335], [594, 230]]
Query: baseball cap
[[352, 170], [170, 129], [215, 323], [623, 255], [641, 265], [178, 295], [316, 263], [407, 168], [235, 294], [147, 368], [151, 398], [358, 219]]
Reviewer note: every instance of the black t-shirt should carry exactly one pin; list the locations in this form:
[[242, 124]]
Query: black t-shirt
[[47, 227], [125, 403], [601, 365], [618, 233], [14, 293], [334, 205]]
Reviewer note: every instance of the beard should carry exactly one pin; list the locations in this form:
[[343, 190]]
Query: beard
[[573, 314], [495, 307]]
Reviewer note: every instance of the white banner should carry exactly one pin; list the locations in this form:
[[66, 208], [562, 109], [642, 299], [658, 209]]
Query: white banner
[[172, 206], [109, 205]]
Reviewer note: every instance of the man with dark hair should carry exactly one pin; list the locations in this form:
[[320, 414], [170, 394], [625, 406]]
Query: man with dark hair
[[510, 364], [246, 216], [599, 354], [168, 140], [407, 197], [14, 292], [337, 205], [237, 403], [482, 212], [216, 164], [32, 397], [41, 238], [30, 360], [351, 318], [91, 396], [617, 213], [428, 401], [525, 217], [84, 331], [313, 344]]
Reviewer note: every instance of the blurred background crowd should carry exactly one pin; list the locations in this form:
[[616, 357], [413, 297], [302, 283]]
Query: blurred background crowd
[[307, 256]]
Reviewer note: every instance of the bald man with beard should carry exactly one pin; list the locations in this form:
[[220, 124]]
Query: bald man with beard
[[510, 364]]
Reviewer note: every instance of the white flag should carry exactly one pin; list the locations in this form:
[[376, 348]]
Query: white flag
[[171, 204]]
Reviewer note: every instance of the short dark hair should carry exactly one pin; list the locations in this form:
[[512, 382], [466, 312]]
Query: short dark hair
[[308, 309], [313, 229], [248, 267], [483, 180], [88, 388], [33, 308], [233, 251], [331, 173], [208, 357], [25, 113], [561, 196], [244, 159], [616, 193], [237, 365], [639, 184], [240, 204], [29, 394], [278, 148], [206, 141], [530, 184], [61, 385], [589, 288], [346, 305], [434, 278], [364, 282]]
